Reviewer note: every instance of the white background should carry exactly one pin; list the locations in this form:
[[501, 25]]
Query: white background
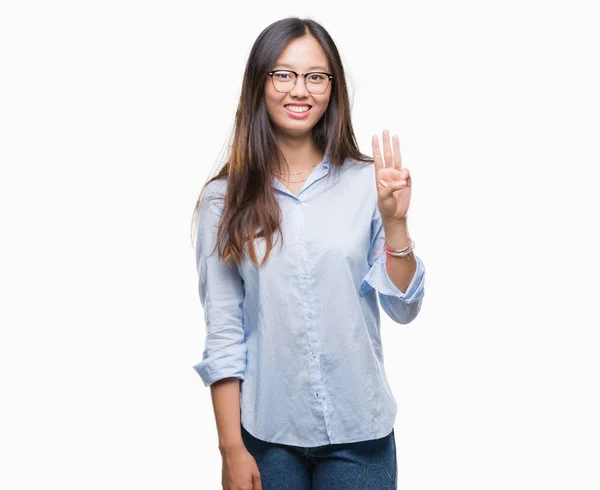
[[114, 113]]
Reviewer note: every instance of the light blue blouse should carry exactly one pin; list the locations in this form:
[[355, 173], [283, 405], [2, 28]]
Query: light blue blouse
[[302, 332]]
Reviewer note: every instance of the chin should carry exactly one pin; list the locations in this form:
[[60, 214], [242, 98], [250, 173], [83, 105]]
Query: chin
[[296, 129]]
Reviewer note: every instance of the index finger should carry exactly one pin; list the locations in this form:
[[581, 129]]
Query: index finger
[[397, 156], [377, 159]]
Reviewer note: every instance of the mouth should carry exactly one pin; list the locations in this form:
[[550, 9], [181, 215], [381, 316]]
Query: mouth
[[297, 111]]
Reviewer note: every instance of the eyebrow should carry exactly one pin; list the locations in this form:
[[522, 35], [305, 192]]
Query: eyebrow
[[316, 67]]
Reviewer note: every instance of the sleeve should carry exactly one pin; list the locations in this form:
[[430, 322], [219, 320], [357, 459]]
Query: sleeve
[[400, 307], [221, 295]]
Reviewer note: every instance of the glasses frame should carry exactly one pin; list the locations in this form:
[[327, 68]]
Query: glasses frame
[[329, 76]]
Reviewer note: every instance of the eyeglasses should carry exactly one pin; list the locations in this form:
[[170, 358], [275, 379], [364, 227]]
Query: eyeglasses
[[285, 80]]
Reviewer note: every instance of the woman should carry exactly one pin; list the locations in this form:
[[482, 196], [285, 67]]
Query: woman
[[293, 348]]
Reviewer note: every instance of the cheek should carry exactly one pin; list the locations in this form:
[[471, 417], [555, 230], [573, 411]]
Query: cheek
[[273, 102], [322, 109], [271, 106], [323, 105]]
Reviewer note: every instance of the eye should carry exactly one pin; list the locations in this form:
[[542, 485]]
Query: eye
[[318, 77]]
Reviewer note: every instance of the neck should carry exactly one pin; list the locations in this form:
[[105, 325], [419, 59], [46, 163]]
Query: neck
[[299, 158]]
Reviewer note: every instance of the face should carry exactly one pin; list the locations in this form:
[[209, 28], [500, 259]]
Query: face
[[302, 55]]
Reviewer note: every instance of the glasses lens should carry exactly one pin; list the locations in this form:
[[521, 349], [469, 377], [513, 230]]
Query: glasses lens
[[284, 81], [316, 83]]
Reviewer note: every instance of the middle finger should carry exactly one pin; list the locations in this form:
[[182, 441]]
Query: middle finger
[[387, 149]]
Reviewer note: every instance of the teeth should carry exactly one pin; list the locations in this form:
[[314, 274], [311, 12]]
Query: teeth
[[295, 108]]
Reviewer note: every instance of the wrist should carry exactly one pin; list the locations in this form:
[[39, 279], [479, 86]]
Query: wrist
[[231, 447], [396, 233]]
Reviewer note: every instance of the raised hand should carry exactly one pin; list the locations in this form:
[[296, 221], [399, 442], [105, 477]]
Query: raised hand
[[393, 182]]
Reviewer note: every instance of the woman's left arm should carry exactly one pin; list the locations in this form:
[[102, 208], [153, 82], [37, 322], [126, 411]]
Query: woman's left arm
[[402, 304], [399, 280]]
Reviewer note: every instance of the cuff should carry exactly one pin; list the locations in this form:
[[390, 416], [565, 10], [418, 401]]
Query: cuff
[[222, 365], [377, 278]]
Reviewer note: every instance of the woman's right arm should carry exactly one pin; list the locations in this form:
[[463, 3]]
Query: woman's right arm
[[226, 403], [223, 362], [221, 294]]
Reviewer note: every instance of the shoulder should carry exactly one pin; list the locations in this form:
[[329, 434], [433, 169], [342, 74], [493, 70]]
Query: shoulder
[[216, 188], [362, 177], [212, 199], [214, 191], [361, 171], [360, 168]]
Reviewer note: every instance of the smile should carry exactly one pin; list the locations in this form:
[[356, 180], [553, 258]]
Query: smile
[[297, 111]]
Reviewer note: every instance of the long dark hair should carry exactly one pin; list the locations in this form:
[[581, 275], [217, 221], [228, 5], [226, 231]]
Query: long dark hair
[[250, 202]]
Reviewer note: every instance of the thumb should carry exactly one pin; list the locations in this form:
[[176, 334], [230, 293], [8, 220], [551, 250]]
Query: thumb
[[256, 483], [388, 188]]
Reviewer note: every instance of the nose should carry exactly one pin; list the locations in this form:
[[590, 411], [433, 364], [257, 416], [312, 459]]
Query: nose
[[300, 87]]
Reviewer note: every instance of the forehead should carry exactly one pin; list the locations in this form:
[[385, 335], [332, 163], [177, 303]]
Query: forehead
[[303, 54]]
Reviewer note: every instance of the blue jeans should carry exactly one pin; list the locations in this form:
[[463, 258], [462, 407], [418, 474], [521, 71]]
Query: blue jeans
[[357, 465]]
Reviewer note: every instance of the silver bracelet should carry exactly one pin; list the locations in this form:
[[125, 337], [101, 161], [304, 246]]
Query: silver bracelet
[[403, 252]]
